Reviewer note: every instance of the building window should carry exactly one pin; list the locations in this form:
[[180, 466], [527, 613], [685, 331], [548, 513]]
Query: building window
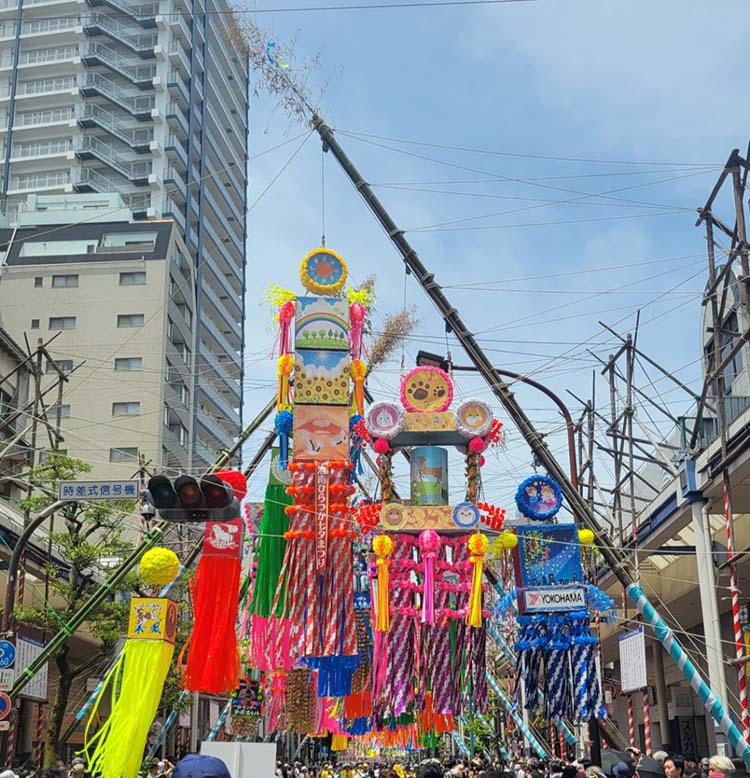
[[130, 320], [38, 282], [137, 278], [129, 363], [180, 432], [121, 454], [62, 322], [35, 324], [6, 403], [66, 365], [129, 241], [126, 409], [64, 411], [185, 395], [67, 281]]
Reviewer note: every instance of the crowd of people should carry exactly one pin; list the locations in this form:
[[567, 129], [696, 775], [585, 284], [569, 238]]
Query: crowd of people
[[628, 764]]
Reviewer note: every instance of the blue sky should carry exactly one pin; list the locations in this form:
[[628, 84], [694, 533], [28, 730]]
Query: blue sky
[[646, 92]]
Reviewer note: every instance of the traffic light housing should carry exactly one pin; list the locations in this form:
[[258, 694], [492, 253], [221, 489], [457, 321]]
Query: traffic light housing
[[188, 499]]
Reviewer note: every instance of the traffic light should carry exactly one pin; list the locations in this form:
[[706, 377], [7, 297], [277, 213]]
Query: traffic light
[[188, 499]]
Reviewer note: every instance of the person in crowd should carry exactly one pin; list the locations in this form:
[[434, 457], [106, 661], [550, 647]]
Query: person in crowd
[[719, 766], [704, 767], [200, 766], [431, 768], [674, 767], [660, 757]]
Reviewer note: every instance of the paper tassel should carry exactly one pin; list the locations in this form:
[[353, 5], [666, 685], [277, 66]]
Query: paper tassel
[[429, 544], [286, 314], [478, 545], [358, 372], [357, 314], [382, 545]]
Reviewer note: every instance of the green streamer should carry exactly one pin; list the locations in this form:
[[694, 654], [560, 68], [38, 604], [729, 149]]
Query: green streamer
[[271, 550]]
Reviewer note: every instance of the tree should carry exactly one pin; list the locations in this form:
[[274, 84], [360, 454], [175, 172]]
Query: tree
[[92, 539]]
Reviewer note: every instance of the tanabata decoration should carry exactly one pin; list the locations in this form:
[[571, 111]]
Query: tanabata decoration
[[213, 660], [539, 498], [555, 649], [135, 681], [428, 614], [307, 628]]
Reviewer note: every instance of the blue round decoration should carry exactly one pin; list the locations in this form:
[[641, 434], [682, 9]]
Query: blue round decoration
[[466, 515], [539, 498]]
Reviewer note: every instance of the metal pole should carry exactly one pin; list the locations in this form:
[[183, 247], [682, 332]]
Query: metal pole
[[614, 557]]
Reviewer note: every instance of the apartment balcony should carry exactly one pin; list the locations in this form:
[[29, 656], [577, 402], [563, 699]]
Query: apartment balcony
[[56, 180], [220, 279], [231, 263], [139, 106], [36, 123], [223, 436], [178, 89], [177, 120], [141, 75], [90, 180], [228, 382], [222, 307], [178, 56], [138, 138], [224, 346], [39, 28], [144, 14], [98, 23], [232, 230], [207, 455], [180, 26], [175, 184], [43, 61], [28, 152], [219, 401], [89, 147], [175, 150], [172, 209], [44, 91], [138, 203]]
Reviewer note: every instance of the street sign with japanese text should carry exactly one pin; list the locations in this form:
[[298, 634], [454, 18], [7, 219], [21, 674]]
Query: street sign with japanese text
[[99, 490], [6, 680], [633, 674]]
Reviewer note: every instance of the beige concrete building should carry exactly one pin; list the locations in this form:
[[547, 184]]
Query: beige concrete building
[[119, 295]]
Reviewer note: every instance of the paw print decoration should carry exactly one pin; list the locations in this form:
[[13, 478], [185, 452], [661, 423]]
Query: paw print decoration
[[426, 390]]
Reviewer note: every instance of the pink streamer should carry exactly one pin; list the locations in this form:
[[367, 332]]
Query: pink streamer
[[357, 315]]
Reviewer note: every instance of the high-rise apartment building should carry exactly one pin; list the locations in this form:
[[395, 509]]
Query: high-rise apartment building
[[148, 101]]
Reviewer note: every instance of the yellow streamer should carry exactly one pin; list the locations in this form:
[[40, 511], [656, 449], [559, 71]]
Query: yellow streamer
[[382, 545], [478, 545], [135, 682]]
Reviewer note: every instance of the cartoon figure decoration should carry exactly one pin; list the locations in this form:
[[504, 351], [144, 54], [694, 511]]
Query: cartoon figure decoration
[[555, 650], [429, 556], [213, 661], [539, 498], [135, 681]]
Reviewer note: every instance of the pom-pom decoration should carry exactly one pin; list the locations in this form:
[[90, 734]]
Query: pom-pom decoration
[[159, 566], [477, 445], [385, 420], [284, 367], [380, 446], [509, 539], [477, 545], [426, 390], [323, 272], [539, 498], [286, 314], [585, 537], [429, 545], [363, 297], [473, 419], [382, 545]]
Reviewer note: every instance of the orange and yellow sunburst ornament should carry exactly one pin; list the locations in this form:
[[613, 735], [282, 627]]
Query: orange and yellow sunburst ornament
[[323, 272]]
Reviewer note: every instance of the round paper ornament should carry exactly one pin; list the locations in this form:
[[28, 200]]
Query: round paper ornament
[[323, 272], [473, 419], [539, 498], [385, 420], [426, 390], [159, 566], [466, 515], [393, 516]]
